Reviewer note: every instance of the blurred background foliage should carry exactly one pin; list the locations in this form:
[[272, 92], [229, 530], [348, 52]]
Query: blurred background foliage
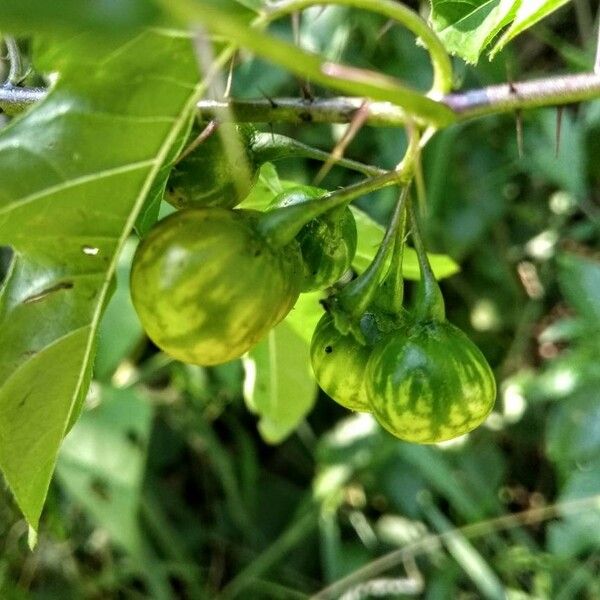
[[165, 487]]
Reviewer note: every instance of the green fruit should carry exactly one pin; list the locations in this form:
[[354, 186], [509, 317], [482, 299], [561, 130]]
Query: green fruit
[[215, 174], [328, 243], [209, 176], [430, 383], [339, 360], [207, 286]]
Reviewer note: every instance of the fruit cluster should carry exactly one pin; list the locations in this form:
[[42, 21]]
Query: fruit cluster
[[209, 282]]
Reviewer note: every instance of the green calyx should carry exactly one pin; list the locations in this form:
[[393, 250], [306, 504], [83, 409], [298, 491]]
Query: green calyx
[[356, 297], [429, 305], [327, 243], [281, 225]]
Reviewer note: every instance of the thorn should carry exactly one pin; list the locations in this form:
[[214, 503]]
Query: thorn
[[519, 124], [202, 136], [358, 120], [296, 22], [388, 25], [559, 119], [268, 98], [229, 83], [307, 93]]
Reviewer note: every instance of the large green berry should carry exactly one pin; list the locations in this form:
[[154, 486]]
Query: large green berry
[[328, 243], [207, 286], [429, 384]]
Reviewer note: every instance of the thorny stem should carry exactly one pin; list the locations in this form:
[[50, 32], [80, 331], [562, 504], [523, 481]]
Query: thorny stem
[[506, 98]]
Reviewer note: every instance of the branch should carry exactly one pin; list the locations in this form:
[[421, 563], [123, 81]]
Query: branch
[[552, 91], [16, 99], [597, 63], [298, 111]]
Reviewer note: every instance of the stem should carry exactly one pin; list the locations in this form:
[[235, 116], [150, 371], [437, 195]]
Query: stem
[[551, 91], [356, 297], [301, 526], [14, 100], [431, 541], [442, 67], [358, 82], [14, 58], [301, 111], [281, 225], [597, 61], [504, 98], [391, 297], [430, 302], [268, 147]]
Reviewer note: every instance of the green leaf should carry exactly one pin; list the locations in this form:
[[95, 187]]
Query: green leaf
[[255, 5], [106, 15], [579, 279], [102, 461], [264, 191], [465, 554], [150, 211], [370, 235], [279, 386], [120, 329], [75, 173], [466, 28], [529, 13], [306, 314]]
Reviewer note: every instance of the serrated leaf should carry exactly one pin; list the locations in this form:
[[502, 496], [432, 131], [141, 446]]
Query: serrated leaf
[[370, 235], [466, 28], [75, 173], [528, 14], [279, 386]]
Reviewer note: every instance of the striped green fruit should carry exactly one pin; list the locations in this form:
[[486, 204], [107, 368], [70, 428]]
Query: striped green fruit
[[207, 287], [328, 243], [430, 384], [339, 360], [210, 176]]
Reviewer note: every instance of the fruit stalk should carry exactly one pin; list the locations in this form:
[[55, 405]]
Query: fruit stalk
[[267, 147], [355, 298], [430, 301], [281, 226]]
